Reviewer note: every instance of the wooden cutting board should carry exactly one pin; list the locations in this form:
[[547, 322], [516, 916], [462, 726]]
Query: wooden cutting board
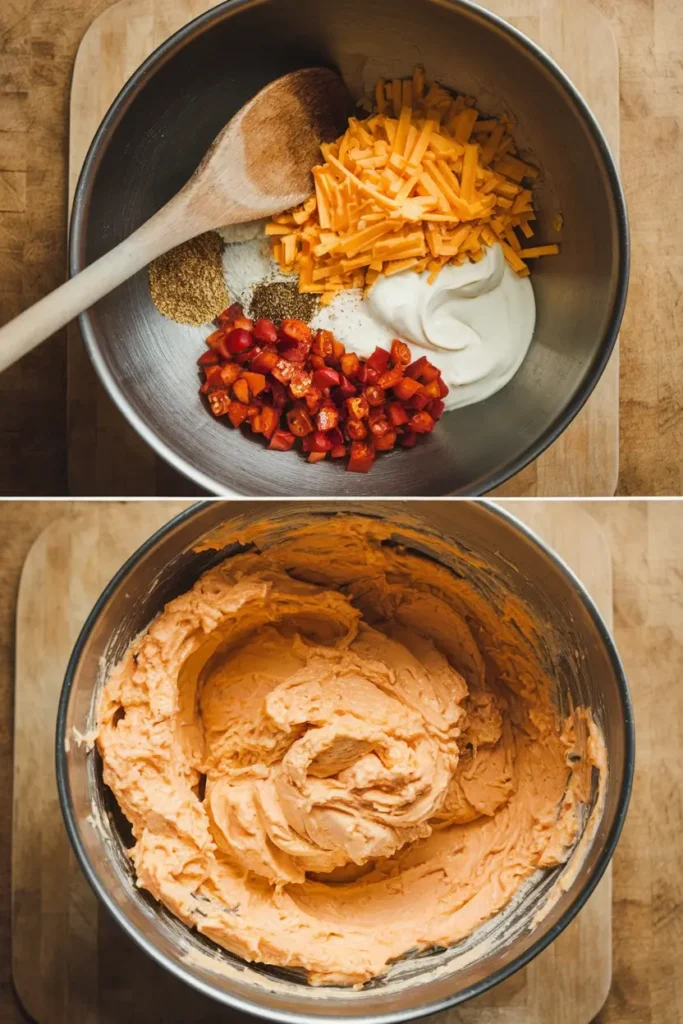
[[106, 457], [71, 963]]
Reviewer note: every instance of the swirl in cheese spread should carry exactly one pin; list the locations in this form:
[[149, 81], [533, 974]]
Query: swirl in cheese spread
[[334, 752]]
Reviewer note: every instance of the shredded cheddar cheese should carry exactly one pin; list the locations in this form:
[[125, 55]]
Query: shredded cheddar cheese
[[422, 182]]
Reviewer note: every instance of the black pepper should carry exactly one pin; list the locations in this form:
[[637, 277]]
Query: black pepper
[[281, 300]]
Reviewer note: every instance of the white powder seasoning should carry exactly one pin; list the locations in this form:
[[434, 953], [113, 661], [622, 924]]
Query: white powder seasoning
[[247, 260]]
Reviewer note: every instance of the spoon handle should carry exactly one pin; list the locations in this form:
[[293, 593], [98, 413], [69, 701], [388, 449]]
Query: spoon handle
[[157, 235]]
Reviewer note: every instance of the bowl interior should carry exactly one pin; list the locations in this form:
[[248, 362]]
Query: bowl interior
[[577, 652], [162, 127]]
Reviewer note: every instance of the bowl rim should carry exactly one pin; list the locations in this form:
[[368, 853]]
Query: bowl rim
[[397, 1016], [79, 218]]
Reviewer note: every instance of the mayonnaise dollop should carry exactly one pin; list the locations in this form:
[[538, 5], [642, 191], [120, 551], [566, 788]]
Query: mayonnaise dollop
[[475, 322]]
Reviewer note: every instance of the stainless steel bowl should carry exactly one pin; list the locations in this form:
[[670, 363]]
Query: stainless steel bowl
[[163, 120], [583, 659]]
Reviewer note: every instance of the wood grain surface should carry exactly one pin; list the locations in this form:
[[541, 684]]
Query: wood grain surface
[[66, 954], [583, 461], [647, 552], [38, 43]]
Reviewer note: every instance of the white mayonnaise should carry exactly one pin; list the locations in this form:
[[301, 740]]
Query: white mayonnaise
[[475, 322]]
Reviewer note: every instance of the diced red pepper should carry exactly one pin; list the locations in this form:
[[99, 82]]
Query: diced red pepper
[[347, 389], [297, 330], [219, 402], [406, 388], [317, 456], [350, 364], [282, 441], [256, 382], [416, 368], [367, 375], [391, 377], [385, 442], [327, 418], [300, 383], [356, 429], [418, 401], [208, 358], [283, 371], [265, 361], [361, 458], [313, 399], [436, 408], [317, 362], [443, 387], [317, 442], [229, 373], [240, 390], [338, 452], [299, 421], [397, 413], [336, 437], [265, 330], [237, 413], [229, 315], [432, 389], [326, 378], [279, 393], [295, 351], [421, 423], [379, 360], [323, 344], [400, 353], [374, 394], [253, 410], [430, 373], [377, 422], [408, 438], [358, 407], [338, 349], [214, 377], [239, 340], [265, 421]]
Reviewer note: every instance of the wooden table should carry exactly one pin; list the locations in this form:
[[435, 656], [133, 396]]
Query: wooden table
[[38, 43], [648, 885]]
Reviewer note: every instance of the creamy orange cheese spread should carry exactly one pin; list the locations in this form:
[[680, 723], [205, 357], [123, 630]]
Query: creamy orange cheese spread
[[335, 751]]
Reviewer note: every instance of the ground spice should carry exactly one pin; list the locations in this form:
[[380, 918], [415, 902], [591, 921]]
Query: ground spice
[[281, 300], [187, 283]]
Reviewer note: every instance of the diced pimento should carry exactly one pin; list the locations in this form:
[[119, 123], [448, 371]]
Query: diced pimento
[[208, 358], [253, 410], [326, 378], [391, 378], [374, 395], [215, 339], [256, 382], [350, 364], [436, 408], [300, 423], [400, 353], [265, 421], [406, 388], [443, 387], [237, 413], [421, 423], [339, 452], [244, 323], [415, 369], [367, 374], [229, 315], [379, 360], [347, 389], [327, 418], [430, 373], [336, 437], [361, 457], [282, 441], [313, 398], [317, 442], [294, 351], [238, 340], [385, 442], [378, 423], [432, 389], [219, 402], [397, 414], [214, 377], [240, 390], [300, 384], [229, 373], [356, 429], [278, 392], [265, 330], [317, 362], [283, 371], [418, 401], [338, 349], [357, 407], [316, 456], [265, 361], [323, 344], [297, 330]]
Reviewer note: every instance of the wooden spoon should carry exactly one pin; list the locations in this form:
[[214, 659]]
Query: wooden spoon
[[258, 166]]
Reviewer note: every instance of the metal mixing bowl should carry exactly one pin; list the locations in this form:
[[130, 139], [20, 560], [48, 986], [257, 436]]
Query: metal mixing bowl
[[162, 122], [582, 657]]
